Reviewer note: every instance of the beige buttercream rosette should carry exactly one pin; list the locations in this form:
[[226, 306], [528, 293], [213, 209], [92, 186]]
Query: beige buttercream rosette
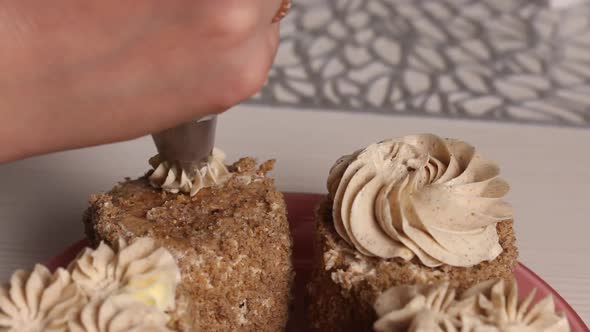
[[420, 196], [101, 291], [491, 306]]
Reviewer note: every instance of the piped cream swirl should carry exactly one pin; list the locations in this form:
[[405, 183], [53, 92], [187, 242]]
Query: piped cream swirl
[[174, 179], [420, 196], [498, 305], [102, 290], [119, 313], [417, 308], [491, 306], [142, 270], [38, 301]]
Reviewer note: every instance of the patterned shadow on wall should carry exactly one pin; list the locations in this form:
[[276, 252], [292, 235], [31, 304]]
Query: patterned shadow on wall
[[503, 60]]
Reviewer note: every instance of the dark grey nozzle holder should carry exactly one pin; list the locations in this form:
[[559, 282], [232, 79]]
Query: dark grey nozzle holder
[[188, 144]]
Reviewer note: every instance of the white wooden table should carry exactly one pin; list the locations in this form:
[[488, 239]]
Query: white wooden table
[[42, 199]]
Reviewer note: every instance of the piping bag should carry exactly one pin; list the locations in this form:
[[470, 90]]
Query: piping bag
[[187, 145]]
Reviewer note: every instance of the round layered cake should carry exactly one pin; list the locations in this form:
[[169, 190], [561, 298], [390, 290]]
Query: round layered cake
[[414, 210]]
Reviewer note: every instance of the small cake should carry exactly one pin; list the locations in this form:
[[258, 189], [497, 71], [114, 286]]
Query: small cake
[[227, 229], [130, 289], [414, 210], [491, 306]]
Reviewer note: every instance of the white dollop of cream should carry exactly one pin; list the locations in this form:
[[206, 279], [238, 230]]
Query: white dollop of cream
[[487, 307], [38, 301], [174, 179], [119, 313], [142, 270], [420, 196]]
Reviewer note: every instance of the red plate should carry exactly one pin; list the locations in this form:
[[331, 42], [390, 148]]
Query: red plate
[[301, 216]]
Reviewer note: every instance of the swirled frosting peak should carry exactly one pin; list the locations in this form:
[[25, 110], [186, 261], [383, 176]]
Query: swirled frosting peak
[[142, 270], [38, 301], [498, 304], [416, 308], [420, 196], [101, 291], [174, 179], [491, 306], [119, 313]]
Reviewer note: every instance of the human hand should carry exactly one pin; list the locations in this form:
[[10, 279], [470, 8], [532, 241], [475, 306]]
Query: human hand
[[78, 73]]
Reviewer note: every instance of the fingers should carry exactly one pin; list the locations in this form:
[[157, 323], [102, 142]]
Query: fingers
[[273, 39], [204, 78], [236, 18], [247, 69]]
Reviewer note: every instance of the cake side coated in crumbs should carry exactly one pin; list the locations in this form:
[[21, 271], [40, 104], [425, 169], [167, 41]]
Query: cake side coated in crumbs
[[346, 283], [231, 242]]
